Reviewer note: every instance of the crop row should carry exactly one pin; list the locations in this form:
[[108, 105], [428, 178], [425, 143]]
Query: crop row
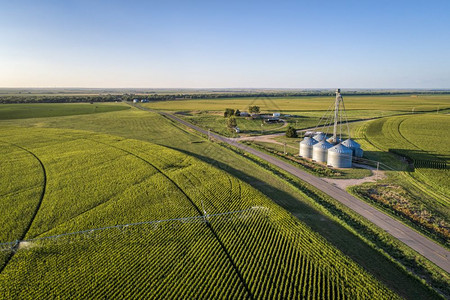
[[262, 253]]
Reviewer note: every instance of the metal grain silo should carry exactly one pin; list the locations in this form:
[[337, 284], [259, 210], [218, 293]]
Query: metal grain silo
[[320, 151], [306, 147], [339, 156], [320, 136], [354, 146]]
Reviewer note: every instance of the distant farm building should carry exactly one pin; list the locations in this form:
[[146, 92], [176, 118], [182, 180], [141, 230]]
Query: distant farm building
[[135, 100], [272, 120], [276, 115]]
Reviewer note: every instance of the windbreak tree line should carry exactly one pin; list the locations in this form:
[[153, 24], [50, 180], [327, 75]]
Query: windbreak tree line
[[180, 96]]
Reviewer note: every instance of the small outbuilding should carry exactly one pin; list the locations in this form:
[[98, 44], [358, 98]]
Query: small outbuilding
[[271, 120]]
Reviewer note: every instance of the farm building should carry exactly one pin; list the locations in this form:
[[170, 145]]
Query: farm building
[[354, 146], [339, 156], [306, 147], [331, 149], [135, 100], [320, 151], [271, 120]]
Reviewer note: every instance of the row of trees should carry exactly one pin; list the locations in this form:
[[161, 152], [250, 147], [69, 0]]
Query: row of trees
[[59, 99], [231, 112]]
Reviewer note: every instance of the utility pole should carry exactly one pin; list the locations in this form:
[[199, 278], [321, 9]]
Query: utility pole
[[285, 148], [412, 111]]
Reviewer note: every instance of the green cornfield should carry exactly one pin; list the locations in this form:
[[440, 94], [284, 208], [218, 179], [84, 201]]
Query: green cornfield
[[212, 235]]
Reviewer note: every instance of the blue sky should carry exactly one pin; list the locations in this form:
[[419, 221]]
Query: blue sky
[[206, 44]]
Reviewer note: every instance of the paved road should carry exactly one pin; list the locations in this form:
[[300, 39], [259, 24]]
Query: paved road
[[429, 249]]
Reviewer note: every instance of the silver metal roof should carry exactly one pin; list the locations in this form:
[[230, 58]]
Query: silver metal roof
[[339, 148], [308, 141], [351, 144], [323, 145], [319, 137]]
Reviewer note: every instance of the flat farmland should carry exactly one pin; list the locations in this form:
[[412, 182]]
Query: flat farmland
[[396, 103], [202, 226], [42, 110], [305, 112], [127, 129]]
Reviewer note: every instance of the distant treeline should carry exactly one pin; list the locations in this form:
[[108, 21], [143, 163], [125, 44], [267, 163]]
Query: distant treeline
[[59, 99], [178, 96]]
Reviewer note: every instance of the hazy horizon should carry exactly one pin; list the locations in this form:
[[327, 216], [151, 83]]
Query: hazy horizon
[[237, 45]]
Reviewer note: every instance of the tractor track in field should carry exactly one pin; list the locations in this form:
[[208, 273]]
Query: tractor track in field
[[214, 233], [41, 198]]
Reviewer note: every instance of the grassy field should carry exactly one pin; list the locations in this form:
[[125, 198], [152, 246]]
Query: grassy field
[[150, 127], [306, 112], [403, 103], [217, 123], [258, 251], [420, 192], [42, 110]]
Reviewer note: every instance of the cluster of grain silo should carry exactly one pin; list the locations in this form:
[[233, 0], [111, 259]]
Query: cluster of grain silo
[[331, 149]]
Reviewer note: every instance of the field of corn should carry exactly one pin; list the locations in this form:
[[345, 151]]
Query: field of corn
[[59, 181]]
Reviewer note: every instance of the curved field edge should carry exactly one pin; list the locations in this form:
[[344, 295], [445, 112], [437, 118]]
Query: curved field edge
[[22, 187], [390, 134], [410, 200], [153, 127], [186, 171], [404, 258]]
